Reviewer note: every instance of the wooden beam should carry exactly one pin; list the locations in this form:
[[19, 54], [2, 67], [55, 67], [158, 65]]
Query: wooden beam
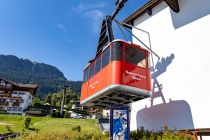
[[5, 88], [149, 11], [173, 4]]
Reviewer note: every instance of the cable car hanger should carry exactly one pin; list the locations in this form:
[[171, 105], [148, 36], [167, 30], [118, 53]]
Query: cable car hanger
[[124, 25], [106, 33]]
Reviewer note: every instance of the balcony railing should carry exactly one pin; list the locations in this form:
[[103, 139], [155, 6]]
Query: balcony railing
[[4, 103]]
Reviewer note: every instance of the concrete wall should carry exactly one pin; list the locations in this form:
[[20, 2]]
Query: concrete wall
[[186, 79]]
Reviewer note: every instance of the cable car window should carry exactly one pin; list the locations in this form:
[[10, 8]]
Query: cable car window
[[98, 64], [92, 70], [117, 51], [135, 56], [105, 57], [85, 78]]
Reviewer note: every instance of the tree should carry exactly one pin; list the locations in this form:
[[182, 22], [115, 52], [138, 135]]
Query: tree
[[48, 99], [36, 100], [56, 98]]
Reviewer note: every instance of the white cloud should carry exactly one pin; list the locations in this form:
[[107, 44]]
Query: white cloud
[[61, 27], [82, 7], [92, 12], [96, 16]]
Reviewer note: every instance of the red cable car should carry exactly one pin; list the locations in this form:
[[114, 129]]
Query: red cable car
[[119, 74]]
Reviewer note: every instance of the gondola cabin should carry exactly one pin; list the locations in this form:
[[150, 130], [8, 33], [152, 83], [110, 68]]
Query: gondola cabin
[[119, 74]]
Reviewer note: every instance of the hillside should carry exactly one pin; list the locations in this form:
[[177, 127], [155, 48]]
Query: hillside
[[49, 78]]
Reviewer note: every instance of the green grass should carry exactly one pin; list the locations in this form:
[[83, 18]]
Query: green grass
[[53, 128], [62, 129]]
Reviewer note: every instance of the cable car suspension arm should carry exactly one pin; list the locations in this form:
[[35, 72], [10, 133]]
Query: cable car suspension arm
[[125, 26], [106, 33]]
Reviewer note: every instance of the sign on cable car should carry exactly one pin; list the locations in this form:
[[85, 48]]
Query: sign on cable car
[[118, 75]]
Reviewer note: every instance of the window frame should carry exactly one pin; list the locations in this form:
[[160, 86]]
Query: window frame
[[96, 64], [93, 63], [117, 52], [140, 50], [102, 62], [84, 81]]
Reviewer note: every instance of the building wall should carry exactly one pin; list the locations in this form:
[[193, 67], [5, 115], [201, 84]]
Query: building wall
[[186, 79], [26, 101]]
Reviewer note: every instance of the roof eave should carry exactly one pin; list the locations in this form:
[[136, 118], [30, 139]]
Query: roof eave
[[147, 8], [141, 11]]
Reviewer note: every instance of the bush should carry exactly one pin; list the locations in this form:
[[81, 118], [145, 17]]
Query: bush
[[56, 115], [64, 135], [66, 115], [53, 114], [8, 128], [167, 134], [27, 122], [77, 128]]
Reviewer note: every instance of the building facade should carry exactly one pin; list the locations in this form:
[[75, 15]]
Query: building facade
[[179, 33], [19, 101], [15, 98]]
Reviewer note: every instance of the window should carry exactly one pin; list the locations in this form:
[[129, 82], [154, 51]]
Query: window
[[85, 78], [21, 93], [105, 57], [117, 51], [98, 64], [135, 56], [92, 69]]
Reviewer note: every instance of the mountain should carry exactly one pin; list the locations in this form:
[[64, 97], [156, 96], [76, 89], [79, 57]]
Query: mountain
[[49, 78]]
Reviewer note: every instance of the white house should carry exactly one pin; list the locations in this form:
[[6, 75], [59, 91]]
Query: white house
[[179, 31], [15, 97], [23, 100]]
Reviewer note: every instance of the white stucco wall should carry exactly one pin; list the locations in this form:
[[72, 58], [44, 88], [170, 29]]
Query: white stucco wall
[[27, 101], [187, 35]]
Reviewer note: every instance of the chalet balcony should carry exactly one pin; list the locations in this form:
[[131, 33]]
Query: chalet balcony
[[3, 108], [4, 103]]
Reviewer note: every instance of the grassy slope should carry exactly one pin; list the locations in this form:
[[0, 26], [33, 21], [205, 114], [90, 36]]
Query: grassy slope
[[61, 129], [48, 126]]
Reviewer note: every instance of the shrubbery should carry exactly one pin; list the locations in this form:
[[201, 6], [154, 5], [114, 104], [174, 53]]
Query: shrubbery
[[77, 128], [27, 122], [65, 135], [166, 134]]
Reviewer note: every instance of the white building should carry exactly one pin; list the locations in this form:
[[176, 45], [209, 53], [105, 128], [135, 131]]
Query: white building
[[19, 101], [180, 33], [15, 97]]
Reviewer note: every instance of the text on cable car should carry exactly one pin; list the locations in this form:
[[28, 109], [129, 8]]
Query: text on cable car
[[135, 76], [92, 86]]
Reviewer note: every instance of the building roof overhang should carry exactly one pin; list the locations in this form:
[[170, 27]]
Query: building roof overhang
[[147, 8], [17, 86]]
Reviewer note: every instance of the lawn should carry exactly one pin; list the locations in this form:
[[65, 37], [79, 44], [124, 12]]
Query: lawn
[[47, 128], [51, 128]]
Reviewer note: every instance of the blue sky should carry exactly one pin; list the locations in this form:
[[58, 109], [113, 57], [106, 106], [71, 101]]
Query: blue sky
[[62, 33]]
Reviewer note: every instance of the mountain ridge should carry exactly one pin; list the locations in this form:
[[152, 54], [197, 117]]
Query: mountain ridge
[[49, 78]]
